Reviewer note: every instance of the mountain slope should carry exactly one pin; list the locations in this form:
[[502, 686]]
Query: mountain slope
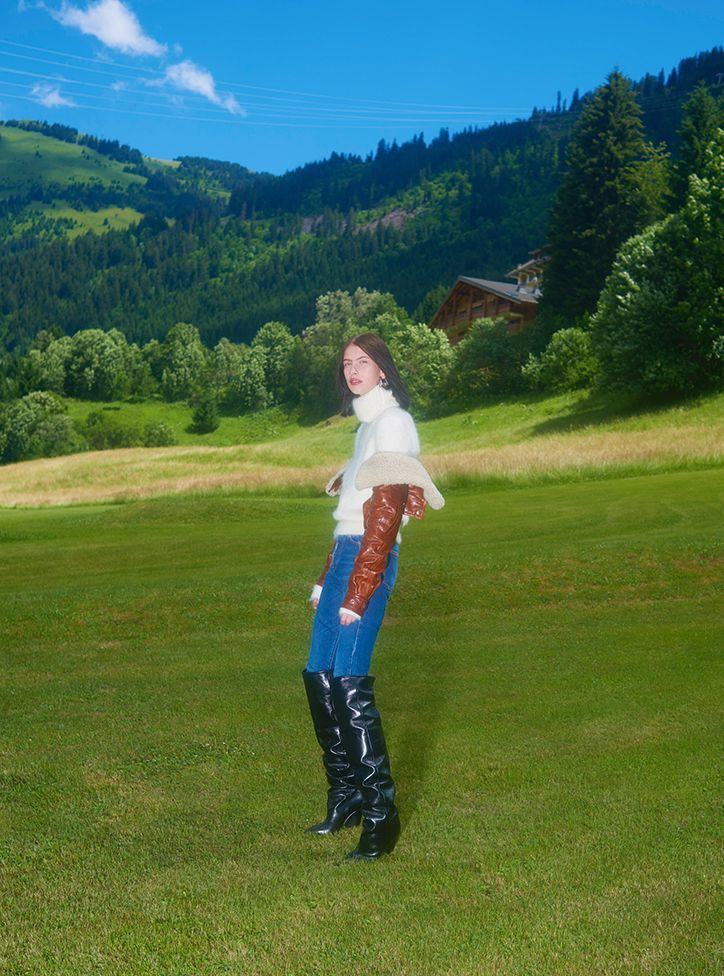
[[228, 249]]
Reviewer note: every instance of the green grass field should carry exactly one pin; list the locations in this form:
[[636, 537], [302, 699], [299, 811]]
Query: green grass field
[[525, 442], [511, 421], [31, 157], [98, 221], [550, 681]]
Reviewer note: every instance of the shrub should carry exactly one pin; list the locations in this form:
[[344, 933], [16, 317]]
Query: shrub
[[103, 432], [206, 413], [567, 363], [424, 357], [158, 434], [36, 425], [488, 360]]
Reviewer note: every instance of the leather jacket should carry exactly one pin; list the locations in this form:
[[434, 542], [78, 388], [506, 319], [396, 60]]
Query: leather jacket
[[382, 514]]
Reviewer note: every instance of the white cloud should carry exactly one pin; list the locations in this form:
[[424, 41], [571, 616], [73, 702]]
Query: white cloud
[[116, 26], [189, 77], [50, 97], [113, 24]]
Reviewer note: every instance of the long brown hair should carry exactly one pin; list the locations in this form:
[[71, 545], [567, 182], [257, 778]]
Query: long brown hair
[[376, 348]]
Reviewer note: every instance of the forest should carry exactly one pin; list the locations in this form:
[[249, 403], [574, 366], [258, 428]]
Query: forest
[[227, 249], [234, 314]]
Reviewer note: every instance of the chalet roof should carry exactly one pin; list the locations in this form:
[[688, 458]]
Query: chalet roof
[[536, 262], [504, 290]]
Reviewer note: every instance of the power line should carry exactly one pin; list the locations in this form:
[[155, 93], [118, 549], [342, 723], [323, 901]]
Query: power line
[[412, 125], [277, 91], [349, 114]]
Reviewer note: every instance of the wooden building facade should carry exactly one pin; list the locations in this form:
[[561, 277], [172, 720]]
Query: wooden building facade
[[478, 298]]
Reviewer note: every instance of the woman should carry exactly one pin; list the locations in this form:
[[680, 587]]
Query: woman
[[379, 489]]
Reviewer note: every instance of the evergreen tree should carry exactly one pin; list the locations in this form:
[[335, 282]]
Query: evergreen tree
[[658, 326], [206, 413], [427, 308], [703, 114], [600, 202]]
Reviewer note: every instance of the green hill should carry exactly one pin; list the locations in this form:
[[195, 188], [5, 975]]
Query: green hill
[[27, 158], [66, 178], [228, 249]]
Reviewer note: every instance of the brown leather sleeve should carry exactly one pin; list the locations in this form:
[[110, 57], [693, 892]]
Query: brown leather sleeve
[[382, 516], [416, 502], [320, 581]]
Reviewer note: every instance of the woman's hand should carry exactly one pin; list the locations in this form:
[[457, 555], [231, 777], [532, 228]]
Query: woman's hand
[[315, 602], [347, 618]]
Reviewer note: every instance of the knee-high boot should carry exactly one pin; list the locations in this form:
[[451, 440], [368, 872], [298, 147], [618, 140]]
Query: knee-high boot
[[359, 720], [344, 799]]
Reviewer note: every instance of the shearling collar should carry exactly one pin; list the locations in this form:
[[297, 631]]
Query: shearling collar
[[371, 404]]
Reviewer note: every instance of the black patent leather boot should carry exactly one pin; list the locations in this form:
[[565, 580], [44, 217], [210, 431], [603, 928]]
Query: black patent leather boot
[[344, 800], [359, 720]]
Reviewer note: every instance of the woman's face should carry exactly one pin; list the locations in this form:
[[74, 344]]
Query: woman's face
[[360, 371]]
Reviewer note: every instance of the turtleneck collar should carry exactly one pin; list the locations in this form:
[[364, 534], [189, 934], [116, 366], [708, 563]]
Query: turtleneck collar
[[371, 404]]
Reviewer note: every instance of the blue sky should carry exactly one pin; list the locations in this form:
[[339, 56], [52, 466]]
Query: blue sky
[[275, 84]]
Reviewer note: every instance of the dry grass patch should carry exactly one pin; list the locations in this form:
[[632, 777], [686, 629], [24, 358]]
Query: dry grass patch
[[578, 452], [103, 476]]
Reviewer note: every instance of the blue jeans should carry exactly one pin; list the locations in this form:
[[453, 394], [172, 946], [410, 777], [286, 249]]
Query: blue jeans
[[347, 650]]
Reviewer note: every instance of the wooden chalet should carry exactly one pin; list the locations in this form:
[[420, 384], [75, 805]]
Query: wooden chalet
[[478, 298]]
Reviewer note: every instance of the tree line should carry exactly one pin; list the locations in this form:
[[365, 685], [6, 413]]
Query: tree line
[[474, 203], [66, 133], [633, 300], [636, 279]]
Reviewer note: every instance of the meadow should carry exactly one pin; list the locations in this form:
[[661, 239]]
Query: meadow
[[31, 157], [550, 681], [534, 440]]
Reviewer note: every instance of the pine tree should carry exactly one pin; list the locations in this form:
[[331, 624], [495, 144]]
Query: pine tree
[[600, 202], [206, 413], [703, 115]]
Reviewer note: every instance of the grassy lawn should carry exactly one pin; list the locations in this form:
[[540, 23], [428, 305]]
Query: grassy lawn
[[491, 425], [523, 442], [549, 676], [249, 428]]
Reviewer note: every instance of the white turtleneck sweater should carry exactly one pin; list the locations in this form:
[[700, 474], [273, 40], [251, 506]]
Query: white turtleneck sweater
[[384, 426]]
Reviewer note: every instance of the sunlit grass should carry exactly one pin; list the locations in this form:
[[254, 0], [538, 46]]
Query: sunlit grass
[[517, 443], [30, 157], [549, 678], [103, 219]]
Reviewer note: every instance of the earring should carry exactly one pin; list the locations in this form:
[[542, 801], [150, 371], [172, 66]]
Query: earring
[[383, 383]]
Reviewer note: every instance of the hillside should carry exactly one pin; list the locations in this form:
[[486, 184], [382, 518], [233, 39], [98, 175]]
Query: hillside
[[531, 441], [228, 249]]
